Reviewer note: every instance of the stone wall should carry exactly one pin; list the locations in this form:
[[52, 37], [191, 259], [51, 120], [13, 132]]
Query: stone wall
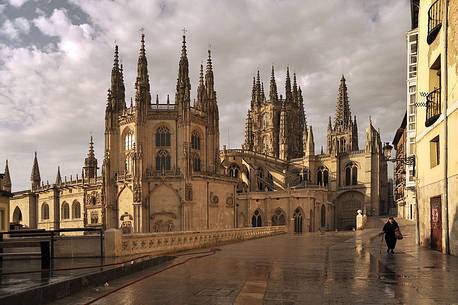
[[117, 244]]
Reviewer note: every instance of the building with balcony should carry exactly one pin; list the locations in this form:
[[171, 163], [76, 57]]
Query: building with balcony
[[408, 210], [436, 146], [404, 209]]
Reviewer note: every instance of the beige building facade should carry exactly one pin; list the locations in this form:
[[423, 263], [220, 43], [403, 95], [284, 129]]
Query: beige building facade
[[437, 122]]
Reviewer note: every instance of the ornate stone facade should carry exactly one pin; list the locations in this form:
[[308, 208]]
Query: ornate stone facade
[[282, 181], [161, 167], [163, 171], [271, 122]]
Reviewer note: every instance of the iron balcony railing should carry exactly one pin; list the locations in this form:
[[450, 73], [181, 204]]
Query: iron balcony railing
[[433, 107], [434, 20]]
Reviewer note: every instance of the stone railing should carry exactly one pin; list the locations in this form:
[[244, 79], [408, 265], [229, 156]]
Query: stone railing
[[117, 244]]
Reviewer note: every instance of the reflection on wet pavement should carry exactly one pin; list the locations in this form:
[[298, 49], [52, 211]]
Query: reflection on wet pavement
[[330, 268]]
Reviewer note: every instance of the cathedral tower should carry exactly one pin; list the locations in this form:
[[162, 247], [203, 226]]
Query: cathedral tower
[[275, 126], [343, 136]]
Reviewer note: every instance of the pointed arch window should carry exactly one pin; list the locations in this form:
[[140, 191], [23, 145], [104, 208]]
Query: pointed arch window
[[17, 215], [163, 137], [129, 140], [279, 218], [65, 211], [196, 163], [163, 161], [44, 211], [195, 140], [76, 209], [256, 220], [234, 171], [351, 174], [323, 176]]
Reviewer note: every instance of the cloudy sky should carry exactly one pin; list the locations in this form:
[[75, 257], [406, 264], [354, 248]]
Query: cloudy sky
[[56, 59]]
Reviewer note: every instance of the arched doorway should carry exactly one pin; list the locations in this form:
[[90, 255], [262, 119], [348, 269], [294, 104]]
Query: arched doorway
[[278, 219], [256, 220], [298, 218], [347, 205], [17, 215]]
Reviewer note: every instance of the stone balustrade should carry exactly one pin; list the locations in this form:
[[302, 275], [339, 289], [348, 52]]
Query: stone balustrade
[[117, 244]]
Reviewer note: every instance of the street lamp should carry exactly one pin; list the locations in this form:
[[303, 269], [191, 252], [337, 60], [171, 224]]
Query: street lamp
[[408, 160]]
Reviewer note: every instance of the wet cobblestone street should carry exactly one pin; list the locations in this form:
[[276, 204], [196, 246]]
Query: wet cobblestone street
[[315, 268]]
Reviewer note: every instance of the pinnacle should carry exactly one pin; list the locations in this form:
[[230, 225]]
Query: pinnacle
[[183, 47], [209, 61], [142, 47], [116, 58]]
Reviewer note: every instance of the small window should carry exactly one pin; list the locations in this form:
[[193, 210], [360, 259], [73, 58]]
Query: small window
[[65, 210], [129, 140], [434, 151], [45, 211], [163, 160], [195, 140], [162, 137], [76, 209]]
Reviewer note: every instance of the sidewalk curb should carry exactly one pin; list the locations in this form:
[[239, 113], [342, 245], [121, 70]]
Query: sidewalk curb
[[51, 292]]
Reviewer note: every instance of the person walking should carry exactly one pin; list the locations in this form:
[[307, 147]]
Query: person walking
[[392, 234]]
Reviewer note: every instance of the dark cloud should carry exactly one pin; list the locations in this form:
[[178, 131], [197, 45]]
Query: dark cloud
[[53, 79]]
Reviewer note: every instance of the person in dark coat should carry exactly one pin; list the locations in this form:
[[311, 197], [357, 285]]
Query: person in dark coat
[[390, 236]]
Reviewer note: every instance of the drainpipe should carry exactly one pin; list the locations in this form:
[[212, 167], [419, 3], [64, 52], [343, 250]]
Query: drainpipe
[[447, 227]]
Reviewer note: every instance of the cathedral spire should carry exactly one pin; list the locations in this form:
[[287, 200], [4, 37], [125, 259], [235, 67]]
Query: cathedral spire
[[90, 163], [183, 89], [35, 176], [273, 95], [7, 178], [258, 89], [288, 93], [209, 80], [201, 93], [253, 94], [117, 84], [142, 96], [58, 177], [248, 145], [343, 114], [295, 93]]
